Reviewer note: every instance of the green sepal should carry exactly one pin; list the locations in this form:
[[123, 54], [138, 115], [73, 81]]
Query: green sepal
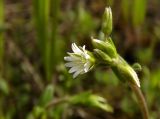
[[124, 71], [102, 57], [105, 46], [109, 40]]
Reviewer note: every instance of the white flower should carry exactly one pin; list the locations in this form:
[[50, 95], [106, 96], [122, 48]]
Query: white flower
[[80, 61]]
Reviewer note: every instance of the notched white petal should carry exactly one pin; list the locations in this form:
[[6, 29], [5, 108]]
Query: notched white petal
[[84, 48], [70, 64], [87, 66], [75, 48], [71, 58], [68, 58], [74, 69], [77, 73]]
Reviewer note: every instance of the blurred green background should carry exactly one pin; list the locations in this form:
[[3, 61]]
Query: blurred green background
[[35, 36]]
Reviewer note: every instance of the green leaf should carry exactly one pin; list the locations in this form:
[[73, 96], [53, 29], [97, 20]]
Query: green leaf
[[47, 95], [91, 100], [38, 111], [138, 12], [4, 86]]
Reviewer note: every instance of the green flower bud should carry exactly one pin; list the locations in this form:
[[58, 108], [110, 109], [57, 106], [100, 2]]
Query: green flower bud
[[137, 67], [107, 21], [106, 47], [102, 56]]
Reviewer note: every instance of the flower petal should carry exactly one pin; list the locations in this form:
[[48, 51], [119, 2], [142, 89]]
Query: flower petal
[[87, 66], [68, 58], [77, 73], [71, 58], [84, 48], [75, 68], [70, 64], [75, 48], [74, 63]]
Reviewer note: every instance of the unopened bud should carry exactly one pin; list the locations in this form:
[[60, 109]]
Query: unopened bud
[[137, 67], [107, 21]]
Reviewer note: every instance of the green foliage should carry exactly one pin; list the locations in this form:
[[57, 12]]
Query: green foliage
[[41, 17], [138, 12], [134, 11], [125, 6], [34, 38], [91, 100], [46, 34], [4, 88], [47, 95]]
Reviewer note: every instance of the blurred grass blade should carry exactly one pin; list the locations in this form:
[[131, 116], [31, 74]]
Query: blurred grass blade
[[125, 6], [47, 39], [41, 11], [138, 12], [91, 100], [55, 5], [41, 17], [1, 34]]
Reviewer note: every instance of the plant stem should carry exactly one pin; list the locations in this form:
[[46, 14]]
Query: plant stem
[[57, 101], [123, 71], [141, 100]]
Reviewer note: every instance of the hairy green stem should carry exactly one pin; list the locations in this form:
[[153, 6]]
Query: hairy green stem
[[123, 71], [141, 100]]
